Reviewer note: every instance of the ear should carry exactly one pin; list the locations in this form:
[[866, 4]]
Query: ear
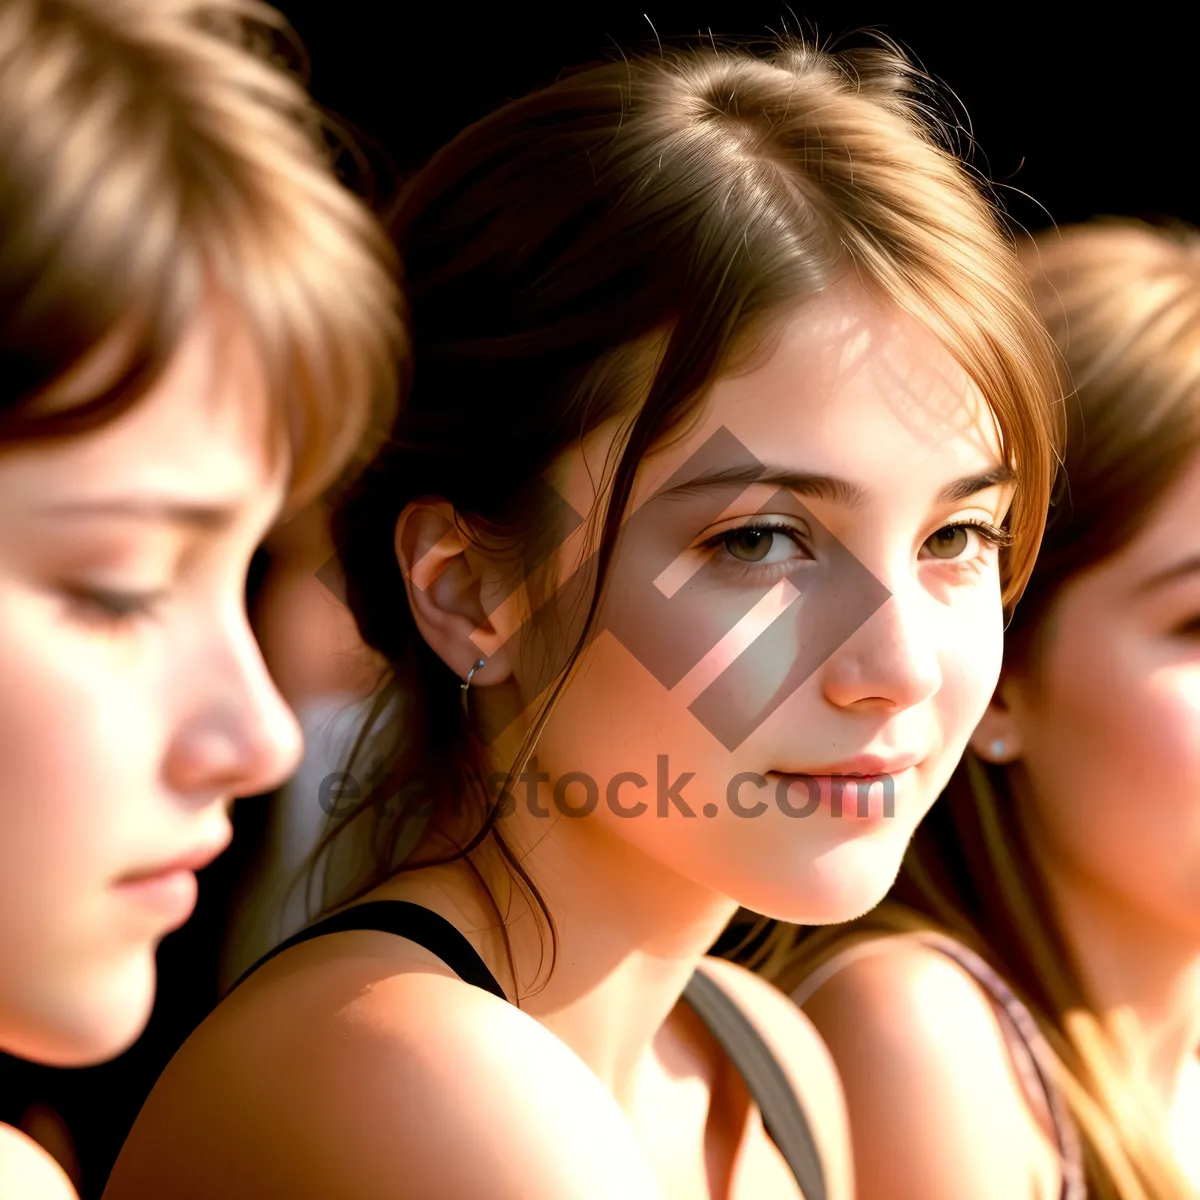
[[454, 592], [997, 737]]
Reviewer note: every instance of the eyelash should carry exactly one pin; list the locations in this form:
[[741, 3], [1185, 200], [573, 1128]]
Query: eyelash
[[111, 609], [991, 534], [765, 526], [988, 533]]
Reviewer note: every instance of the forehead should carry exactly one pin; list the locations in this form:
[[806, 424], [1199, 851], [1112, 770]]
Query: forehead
[[846, 386], [1179, 513], [1172, 531], [208, 420]]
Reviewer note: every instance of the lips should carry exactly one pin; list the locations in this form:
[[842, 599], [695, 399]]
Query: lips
[[166, 893], [191, 861], [869, 766]]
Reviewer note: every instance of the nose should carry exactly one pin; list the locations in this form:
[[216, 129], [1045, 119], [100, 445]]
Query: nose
[[239, 737], [891, 662]]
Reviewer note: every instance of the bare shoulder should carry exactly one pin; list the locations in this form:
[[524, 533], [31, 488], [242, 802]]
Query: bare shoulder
[[27, 1172], [805, 1060], [931, 1088], [360, 1072]]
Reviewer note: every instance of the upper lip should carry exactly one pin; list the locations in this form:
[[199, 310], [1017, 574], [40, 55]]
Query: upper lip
[[866, 765], [195, 859]]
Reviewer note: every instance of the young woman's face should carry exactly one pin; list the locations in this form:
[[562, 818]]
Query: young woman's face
[[1108, 723], [798, 595], [133, 702]]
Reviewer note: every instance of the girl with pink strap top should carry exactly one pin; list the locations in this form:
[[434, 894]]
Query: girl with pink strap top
[[1041, 1021], [1023, 1039]]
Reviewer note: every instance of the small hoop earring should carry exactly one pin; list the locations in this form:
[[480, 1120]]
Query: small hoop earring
[[467, 685]]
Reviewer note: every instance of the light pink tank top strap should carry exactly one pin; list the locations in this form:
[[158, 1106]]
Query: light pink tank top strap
[[1028, 1049]]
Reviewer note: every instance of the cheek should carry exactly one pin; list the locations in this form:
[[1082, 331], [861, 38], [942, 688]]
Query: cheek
[[1149, 768], [1172, 725], [76, 977], [69, 741], [617, 717], [1114, 758]]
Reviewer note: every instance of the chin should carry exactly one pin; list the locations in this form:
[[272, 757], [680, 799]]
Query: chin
[[843, 884], [92, 1019]]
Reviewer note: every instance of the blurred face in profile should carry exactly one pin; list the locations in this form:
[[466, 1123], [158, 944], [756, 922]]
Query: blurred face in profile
[[134, 704]]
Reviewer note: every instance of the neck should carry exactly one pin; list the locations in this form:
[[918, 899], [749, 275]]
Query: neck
[[1142, 977], [630, 933]]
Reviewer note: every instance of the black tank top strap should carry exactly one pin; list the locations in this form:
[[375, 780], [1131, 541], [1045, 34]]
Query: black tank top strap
[[782, 1115], [403, 919]]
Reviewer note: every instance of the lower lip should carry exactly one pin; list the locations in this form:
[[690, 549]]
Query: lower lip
[[171, 894], [862, 799]]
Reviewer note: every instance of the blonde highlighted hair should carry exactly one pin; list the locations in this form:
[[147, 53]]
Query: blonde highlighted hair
[[155, 154], [1122, 300]]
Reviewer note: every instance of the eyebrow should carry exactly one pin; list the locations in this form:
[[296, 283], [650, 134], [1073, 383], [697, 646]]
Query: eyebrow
[[206, 518], [1172, 574], [829, 487]]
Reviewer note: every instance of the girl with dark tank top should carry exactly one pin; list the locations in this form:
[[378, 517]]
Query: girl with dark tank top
[[1021, 1017], [729, 436]]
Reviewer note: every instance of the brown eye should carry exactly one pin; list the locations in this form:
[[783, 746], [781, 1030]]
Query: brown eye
[[949, 542], [749, 544], [761, 544]]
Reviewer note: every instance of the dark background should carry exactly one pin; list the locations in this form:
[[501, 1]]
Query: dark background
[[1072, 116], [1088, 114]]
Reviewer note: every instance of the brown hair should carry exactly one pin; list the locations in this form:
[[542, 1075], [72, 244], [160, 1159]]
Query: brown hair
[[606, 246], [155, 153], [1123, 303]]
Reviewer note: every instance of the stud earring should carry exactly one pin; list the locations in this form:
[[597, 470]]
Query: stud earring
[[998, 748]]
